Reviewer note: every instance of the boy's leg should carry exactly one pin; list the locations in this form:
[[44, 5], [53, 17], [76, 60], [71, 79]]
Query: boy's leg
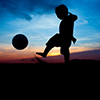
[[67, 56], [46, 51]]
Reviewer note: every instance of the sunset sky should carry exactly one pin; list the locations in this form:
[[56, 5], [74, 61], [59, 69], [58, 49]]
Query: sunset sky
[[36, 19]]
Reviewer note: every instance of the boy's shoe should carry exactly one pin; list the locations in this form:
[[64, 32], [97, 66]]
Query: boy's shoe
[[41, 54]]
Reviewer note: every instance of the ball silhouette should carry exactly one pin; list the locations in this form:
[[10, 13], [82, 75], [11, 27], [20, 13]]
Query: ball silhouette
[[20, 41]]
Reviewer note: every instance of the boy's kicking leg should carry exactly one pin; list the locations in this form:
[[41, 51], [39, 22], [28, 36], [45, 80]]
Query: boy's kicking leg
[[46, 51]]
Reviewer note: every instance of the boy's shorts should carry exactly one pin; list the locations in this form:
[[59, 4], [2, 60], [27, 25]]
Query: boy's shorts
[[54, 41], [65, 48], [57, 41]]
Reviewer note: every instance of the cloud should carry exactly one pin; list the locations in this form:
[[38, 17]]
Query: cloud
[[90, 37], [82, 22], [25, 9]]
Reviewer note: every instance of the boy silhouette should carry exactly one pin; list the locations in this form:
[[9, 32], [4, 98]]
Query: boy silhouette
[[65, 36]]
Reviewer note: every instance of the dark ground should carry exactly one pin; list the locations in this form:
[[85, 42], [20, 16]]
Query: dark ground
[[75, 70], [80, 75], [72, 63]]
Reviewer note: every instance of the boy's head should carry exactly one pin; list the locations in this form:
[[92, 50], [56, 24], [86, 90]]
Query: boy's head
[[61, 11]]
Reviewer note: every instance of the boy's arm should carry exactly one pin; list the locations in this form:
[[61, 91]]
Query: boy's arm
[[74, 17]]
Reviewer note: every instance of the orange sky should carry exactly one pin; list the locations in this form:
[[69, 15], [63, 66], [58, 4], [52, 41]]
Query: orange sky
[[9, 53]]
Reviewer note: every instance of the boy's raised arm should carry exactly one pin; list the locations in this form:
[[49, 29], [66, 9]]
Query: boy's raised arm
[[74, 17]]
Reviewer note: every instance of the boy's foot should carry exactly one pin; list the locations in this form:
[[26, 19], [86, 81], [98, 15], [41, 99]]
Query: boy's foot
[[41, 54]]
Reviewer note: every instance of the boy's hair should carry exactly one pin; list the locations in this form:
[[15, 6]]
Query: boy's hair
[[61, 11]]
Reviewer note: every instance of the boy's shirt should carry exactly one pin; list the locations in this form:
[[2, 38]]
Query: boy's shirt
[[66, 27]]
